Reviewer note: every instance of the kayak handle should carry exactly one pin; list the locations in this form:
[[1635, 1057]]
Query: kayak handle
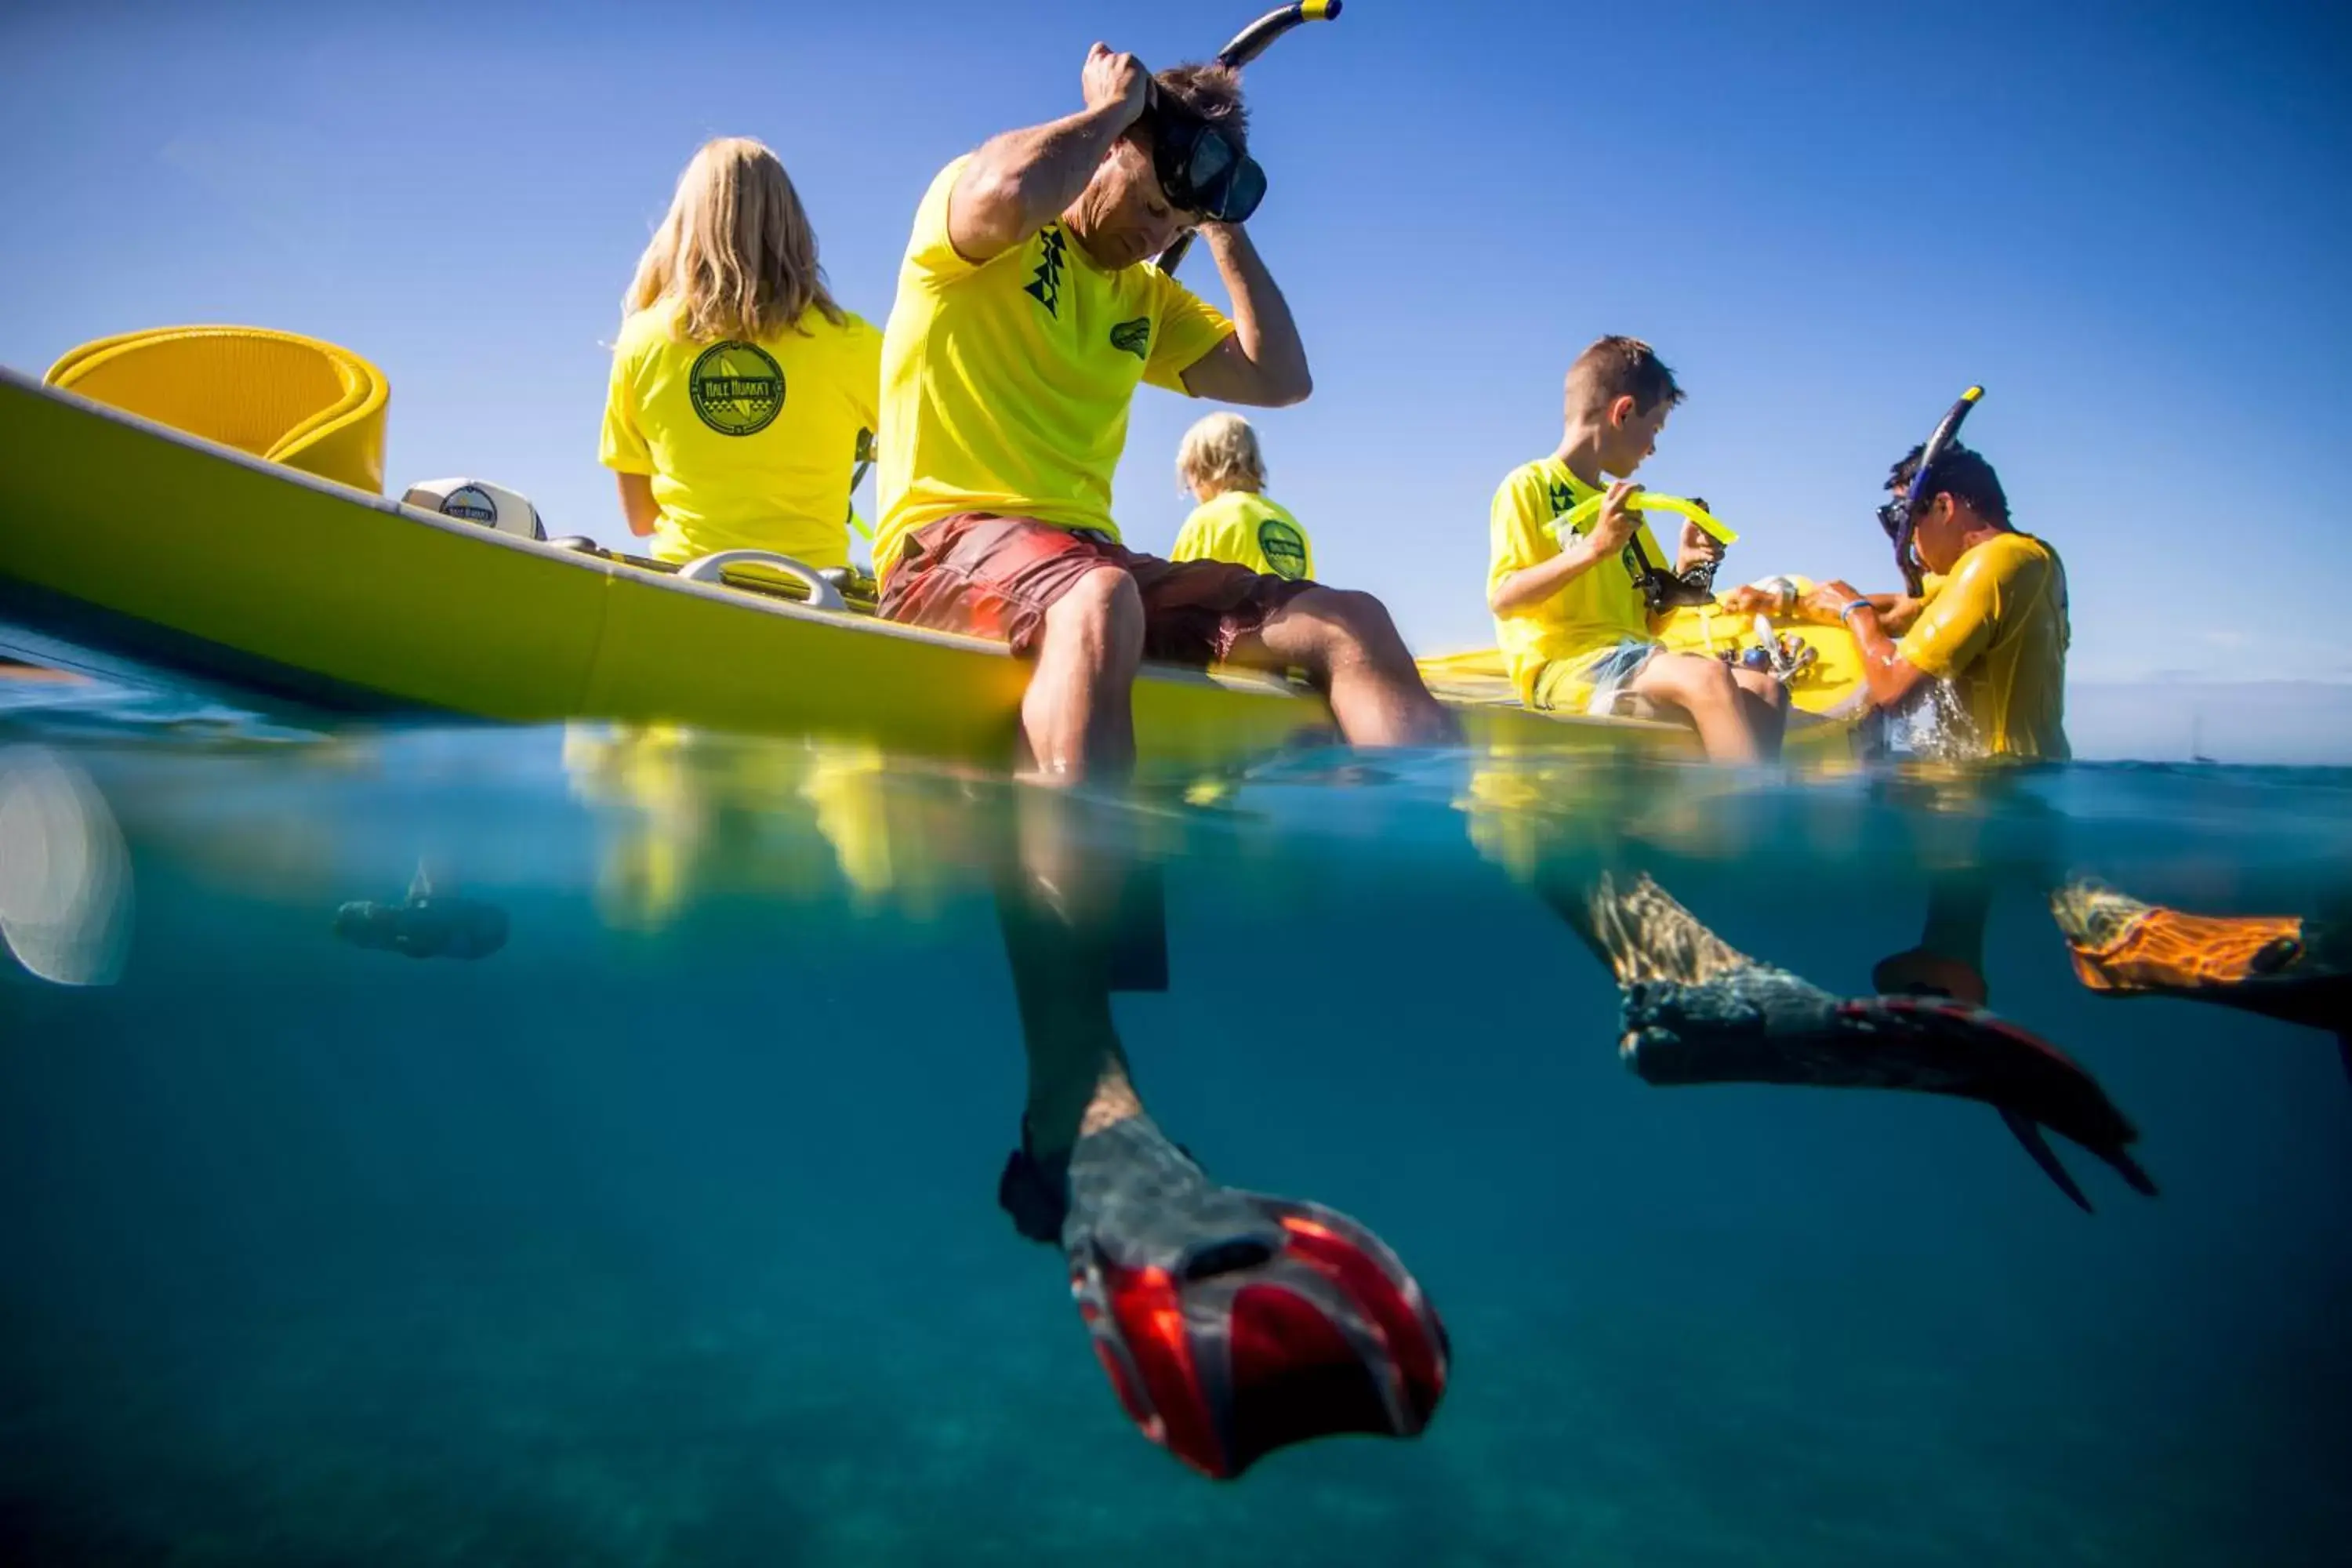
[[1643, 500], [821, 595]]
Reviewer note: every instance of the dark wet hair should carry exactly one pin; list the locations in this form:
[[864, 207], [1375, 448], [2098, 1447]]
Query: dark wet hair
[[1963, 473], [1210, 91]]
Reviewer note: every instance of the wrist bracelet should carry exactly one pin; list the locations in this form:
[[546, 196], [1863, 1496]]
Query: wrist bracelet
[[1856, 605]]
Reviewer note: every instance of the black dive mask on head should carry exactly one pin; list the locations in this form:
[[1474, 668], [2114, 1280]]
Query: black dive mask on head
[[1896, 517], [1202, 170]]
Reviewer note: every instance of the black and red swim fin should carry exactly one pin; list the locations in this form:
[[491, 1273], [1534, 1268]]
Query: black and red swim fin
[[1233, 1323], [1760, 1025]]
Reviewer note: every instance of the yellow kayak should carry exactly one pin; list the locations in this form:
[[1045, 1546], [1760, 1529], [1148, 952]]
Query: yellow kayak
[[257, 558], [1826, 683]]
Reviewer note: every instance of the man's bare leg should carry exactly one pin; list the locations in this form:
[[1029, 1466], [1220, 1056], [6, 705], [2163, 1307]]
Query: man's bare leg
[[1078, 715], [1349, 649]]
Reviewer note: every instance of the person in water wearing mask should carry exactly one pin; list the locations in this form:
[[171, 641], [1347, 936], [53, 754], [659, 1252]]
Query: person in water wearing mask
[[739, 386], [1973, 655], [1985, 635], [1220, 466], [1991, 622], [1574, 614], [1027, 315]]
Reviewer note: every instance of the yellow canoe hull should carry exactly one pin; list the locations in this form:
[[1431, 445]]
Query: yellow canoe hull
[[1825, 687], [126, 546]]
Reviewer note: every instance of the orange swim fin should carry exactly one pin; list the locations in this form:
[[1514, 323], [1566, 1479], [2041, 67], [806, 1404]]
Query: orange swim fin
[[2280, 966]]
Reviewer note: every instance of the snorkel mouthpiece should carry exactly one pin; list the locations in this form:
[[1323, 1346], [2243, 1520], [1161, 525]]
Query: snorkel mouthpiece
[[1899, 517]]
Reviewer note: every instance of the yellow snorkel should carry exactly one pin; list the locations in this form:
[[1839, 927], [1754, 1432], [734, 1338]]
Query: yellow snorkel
[[1588, 508], [1663, 589]]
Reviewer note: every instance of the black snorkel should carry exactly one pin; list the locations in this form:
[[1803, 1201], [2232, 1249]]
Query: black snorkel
[[1896, 517], [1247, 45]]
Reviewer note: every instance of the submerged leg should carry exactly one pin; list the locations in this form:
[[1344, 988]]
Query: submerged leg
[[1950, 959], [1231, 1323]]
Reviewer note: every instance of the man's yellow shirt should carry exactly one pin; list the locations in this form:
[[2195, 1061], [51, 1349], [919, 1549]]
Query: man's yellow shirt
[[1248, 529], [1600, 608], [749, 446], [1995, 629], [1006, 383]]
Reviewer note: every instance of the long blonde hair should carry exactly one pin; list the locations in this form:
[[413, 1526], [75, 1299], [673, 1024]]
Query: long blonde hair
[[735, 253], [1221, 453]]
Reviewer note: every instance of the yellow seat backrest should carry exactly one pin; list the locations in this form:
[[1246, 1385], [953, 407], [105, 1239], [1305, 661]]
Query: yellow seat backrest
[[291, 399]]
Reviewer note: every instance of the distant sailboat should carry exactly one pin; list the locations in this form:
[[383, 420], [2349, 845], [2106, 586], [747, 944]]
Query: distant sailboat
[[2197, 738]]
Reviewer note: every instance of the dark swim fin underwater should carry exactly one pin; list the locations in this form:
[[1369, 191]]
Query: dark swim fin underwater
[[1755, 1024]]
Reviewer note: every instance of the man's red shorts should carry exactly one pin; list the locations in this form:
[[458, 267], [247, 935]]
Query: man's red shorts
[[994, 577]]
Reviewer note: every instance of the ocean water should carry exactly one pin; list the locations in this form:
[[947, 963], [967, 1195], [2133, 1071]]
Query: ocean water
[[667, 1232]]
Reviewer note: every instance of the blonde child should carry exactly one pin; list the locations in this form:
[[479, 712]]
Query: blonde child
[[739, 386], [1219, 464]]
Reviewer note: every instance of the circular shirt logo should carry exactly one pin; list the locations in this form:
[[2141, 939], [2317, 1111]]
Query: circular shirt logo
[[736, 387], [472, 503], [1284, 547]]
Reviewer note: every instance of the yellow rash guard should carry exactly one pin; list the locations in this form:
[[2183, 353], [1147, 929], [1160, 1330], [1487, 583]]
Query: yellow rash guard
[[1006, 383], [1995, 629], [1246, 529], [749, 446]]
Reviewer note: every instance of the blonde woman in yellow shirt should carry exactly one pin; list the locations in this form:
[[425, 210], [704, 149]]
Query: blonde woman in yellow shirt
[[1221, 466], [739, 386]]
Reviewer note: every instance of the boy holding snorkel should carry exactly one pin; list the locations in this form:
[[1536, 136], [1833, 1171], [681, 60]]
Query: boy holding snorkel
[[1575, 587]]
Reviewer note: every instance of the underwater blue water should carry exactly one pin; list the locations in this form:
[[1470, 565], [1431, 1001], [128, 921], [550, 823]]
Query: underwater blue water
[[667, 1232]]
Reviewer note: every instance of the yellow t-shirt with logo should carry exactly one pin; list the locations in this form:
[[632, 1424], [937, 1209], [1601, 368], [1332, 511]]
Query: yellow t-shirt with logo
[[1995, 629], [1006, 384], [1246, 529], [748, 445], [1600, 608]]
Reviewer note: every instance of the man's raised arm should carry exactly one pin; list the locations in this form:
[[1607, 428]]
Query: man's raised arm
[[1019, 182], [1263, 364]]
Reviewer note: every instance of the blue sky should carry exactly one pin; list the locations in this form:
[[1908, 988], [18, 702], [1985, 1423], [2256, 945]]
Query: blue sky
[[2129, 222]]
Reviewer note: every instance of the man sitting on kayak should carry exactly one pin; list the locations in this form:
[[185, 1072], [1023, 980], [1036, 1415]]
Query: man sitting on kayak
[[1574, 615], [1027, 316]]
